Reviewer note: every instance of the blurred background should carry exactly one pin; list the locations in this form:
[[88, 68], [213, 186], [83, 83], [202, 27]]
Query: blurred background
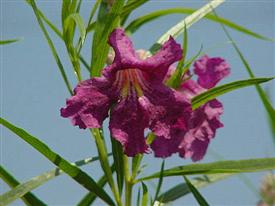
[[32, 92]]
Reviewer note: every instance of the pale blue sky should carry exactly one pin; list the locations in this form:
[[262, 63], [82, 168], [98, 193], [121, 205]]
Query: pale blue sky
[[33, 93]]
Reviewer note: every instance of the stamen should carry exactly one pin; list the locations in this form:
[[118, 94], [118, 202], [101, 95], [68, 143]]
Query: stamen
[[130, 82]]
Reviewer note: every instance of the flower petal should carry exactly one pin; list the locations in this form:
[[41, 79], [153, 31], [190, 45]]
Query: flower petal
[[203, 125], [190, 88], [159, 63], [155, 66], [127, 125], [210, 71], [165, 106], [163, 147], [193, 148], [125, 54], [90, 104]]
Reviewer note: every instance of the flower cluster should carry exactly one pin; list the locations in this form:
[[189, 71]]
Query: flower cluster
[[133, 91]]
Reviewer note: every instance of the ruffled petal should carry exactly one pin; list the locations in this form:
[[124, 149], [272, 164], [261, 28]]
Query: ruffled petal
[[127, 125], [165, 107], [90, 104], [154, 67], [159, 63], [210, 71], [125, 55], [193, 148], [163, 147], [190, 88], [202, 128]]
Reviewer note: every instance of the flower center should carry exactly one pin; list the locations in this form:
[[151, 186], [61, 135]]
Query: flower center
[[130, 82]]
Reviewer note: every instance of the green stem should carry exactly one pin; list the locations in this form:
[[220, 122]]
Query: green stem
[[104, 162], [128, 182]]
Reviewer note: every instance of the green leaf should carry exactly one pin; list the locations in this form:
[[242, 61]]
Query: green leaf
[[204, 97], [48, 22], [130, 7], [22, 189], [8, 41], [106, 22], [144, 200], [200, 199], [182, 189], [159, 181], [176, 78], [51, 45], [138, 197], [267, 104], [136, 160], [176, 30], [91, 27], [89, 198], [74, 172], [29, 198], [137, 23], [229, 166], [92, 13], [77, 19], [127, 9], [119, 165]]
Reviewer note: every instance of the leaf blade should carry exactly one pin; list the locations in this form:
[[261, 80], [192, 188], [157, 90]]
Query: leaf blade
[[106, 22], [140, 21], [222, 89], [200, 199], [144, 200], [229, 166], [74, 172], [177, 29], [28, 198], [8, 41], [181, 189]]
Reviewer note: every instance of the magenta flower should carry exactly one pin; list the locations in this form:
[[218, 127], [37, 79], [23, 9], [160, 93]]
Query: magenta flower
[[205, 120], [133, 90]]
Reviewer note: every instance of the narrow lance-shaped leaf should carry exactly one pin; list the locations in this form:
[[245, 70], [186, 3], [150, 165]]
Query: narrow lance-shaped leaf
[[118, 162], [74, 172], [130, 7], [77, 19], [182, 189], [48, 22], [106, 22], [160, 181], [22, 189], [51, 45], [81, 40], [59, 34], [229, 166], [140, 21], [267, 104], [204, 97], [144, 200], [136, 160], [29, 198], [176, 78], [176, 30], [138, 197], [90, 197], [200, 199], [8, 41]]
